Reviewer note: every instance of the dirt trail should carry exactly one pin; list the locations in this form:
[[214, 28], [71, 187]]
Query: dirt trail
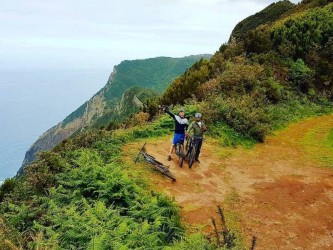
[[284, 195]]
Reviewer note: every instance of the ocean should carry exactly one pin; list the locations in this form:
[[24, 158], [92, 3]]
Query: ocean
[[32, 101]]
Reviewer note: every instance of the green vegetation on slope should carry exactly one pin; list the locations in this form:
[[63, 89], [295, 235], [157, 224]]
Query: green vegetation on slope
[[318, 144], [269, 14], [133, 100], [153, 73], [82, 196], [277, 73]]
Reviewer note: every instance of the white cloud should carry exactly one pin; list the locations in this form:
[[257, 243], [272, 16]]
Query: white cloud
[[47, 32]]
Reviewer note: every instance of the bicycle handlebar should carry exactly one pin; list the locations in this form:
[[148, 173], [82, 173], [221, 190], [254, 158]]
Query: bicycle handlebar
[[163, 107]]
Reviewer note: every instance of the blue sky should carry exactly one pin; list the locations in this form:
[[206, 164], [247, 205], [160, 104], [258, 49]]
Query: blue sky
[[101, 33]]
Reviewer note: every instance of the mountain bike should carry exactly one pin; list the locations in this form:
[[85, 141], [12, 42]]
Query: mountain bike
[[191, 150], [158, 165]]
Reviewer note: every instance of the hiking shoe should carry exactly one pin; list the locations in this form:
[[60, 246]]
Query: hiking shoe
[[169, 158], [197, 160]]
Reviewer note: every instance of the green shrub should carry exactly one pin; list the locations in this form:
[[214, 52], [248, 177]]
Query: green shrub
[[7, 187], [9, 240], [299, 34], [258, 41], [193, 242], [274, 92], [40, 175], [184, 87], [242, 114], [301, 76], [240, 77]]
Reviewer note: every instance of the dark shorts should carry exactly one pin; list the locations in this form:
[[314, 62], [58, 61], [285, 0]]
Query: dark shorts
[[178, 138]]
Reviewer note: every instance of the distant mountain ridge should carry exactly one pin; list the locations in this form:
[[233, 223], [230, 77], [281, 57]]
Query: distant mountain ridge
[[121, 96]]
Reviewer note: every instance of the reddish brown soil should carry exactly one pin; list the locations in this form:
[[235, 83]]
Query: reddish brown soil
[[285, 198], [197, 190]]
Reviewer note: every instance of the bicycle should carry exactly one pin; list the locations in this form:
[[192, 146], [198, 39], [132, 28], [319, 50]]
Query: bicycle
[[180, 152], [191, 149], [158, 165]]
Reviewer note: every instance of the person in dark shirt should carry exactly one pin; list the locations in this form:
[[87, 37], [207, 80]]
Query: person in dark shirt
[[181, 124], [198, 128]]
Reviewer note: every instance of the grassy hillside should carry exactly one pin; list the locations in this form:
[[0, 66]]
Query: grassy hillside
[[82, 196], [277, 73], [155, 73]]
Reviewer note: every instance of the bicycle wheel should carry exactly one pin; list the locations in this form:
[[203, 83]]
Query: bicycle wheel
[[166, 172], [181, 161], [191, 156], [171, 176], [180, 155], [187, 147]]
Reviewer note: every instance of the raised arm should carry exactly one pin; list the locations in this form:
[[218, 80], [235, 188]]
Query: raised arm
[[169, 113]]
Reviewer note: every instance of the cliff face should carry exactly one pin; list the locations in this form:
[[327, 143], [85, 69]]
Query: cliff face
[[131, 101], [93, 108], [119, 98]]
